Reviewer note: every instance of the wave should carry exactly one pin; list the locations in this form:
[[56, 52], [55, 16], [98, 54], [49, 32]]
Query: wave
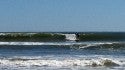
[[69, 45], [57, 43], [111, 46], [32, 37], [40, 43], [59, 37], [67, 62], [101, 36]]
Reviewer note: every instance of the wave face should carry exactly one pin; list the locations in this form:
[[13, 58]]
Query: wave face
[[102, 36], [62, 37]]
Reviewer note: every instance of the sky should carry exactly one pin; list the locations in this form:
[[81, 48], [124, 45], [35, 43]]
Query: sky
[[62, 15]]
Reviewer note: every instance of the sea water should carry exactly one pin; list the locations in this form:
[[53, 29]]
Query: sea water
[[69, 55]]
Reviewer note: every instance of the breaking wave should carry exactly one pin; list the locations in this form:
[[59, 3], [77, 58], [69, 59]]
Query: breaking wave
[[67, 62], [71, 45], [62, 37]]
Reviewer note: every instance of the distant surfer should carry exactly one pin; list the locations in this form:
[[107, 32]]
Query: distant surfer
[[77, 37]]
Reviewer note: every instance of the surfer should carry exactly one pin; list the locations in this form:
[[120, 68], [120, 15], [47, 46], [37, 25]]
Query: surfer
[[77, 37]]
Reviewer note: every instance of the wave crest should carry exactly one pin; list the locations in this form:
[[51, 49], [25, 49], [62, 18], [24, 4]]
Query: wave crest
[[60, 63], [71, 45]]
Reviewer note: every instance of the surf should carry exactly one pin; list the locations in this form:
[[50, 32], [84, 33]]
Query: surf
[[64, 62]]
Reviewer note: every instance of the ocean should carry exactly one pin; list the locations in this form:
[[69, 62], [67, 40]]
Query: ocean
[[62, 51]]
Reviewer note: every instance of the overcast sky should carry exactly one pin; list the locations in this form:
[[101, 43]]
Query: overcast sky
[[62, 15]]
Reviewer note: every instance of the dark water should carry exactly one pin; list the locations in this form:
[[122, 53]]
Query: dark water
[[61, 36]]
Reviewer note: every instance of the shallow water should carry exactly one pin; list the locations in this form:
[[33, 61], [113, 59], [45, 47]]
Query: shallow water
[[62, 55]]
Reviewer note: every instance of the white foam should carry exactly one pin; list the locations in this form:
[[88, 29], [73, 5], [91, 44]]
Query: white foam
[[37, 43], [71, 37], [2, 34], [86, 44], [59, 63], [96, 44], [41, 43]]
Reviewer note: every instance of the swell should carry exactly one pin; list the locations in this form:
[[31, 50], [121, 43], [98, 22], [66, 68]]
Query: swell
[[112, 46], [64, 45], [62, 37], [31, 37]]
